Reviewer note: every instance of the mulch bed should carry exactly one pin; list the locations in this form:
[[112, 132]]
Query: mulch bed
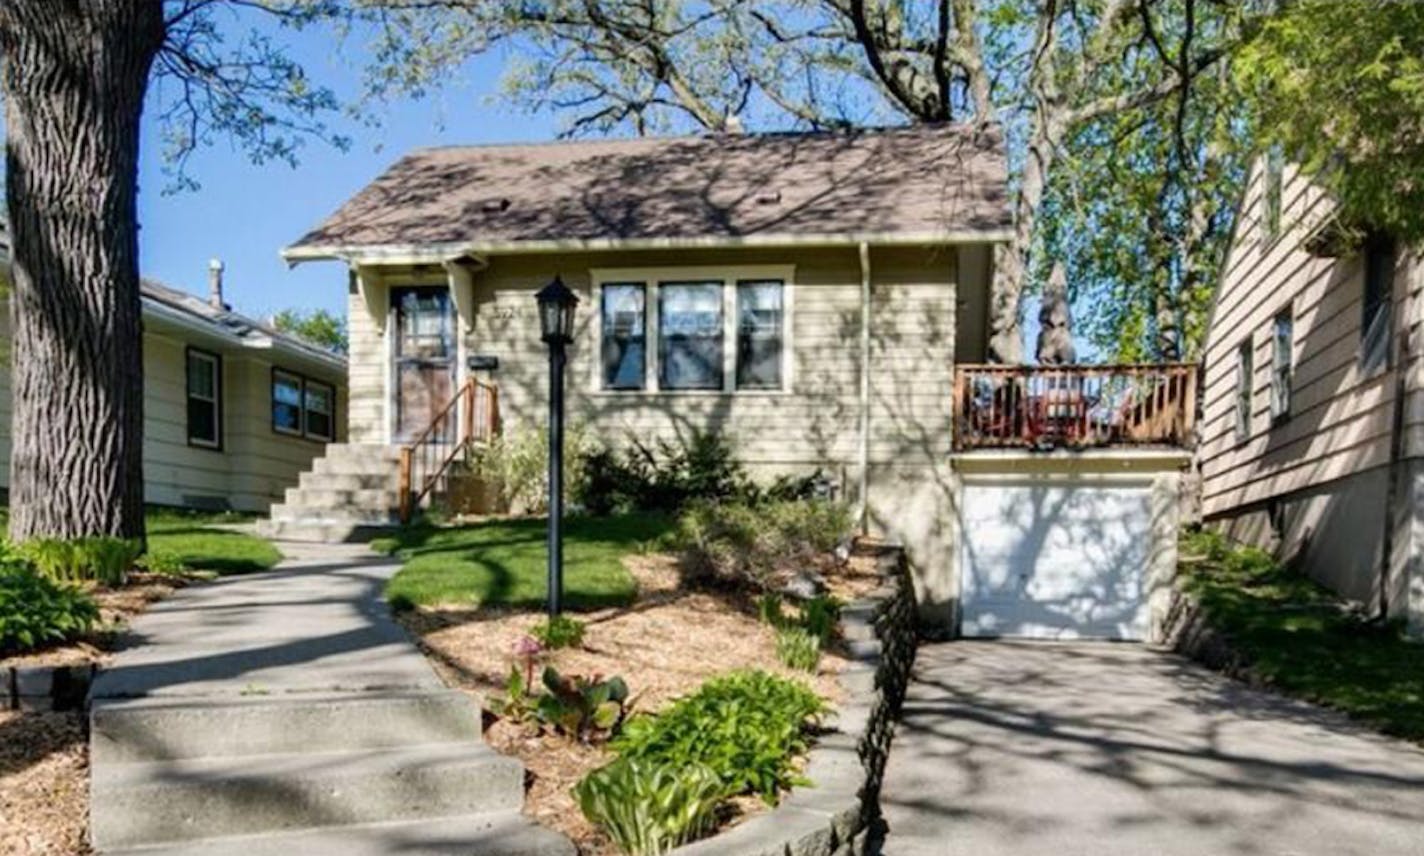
[[664, 645], [44, 757]]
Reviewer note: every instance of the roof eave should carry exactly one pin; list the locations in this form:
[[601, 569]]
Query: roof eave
[[437, 252]]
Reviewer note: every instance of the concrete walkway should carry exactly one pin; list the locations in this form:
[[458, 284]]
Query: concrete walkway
[[287, 712], [1078, 749]]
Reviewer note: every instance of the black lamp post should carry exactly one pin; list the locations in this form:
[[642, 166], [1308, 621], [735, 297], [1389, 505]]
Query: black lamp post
[[556, 325]]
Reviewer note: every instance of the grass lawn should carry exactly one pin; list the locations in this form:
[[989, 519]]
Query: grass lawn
[[1300, 638], [503, 562], [193, 537]]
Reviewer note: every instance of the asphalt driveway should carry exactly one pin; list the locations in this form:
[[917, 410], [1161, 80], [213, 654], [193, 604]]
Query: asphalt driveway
[[1067, 749]]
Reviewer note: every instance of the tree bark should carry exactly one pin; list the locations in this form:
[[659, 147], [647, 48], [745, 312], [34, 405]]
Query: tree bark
[[74, 75]]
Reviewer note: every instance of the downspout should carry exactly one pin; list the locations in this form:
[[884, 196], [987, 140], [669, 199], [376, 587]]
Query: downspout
[[864, 463]]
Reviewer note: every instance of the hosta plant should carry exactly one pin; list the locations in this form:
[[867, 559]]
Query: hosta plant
[[648, 809], [35, 610], [798, 648]]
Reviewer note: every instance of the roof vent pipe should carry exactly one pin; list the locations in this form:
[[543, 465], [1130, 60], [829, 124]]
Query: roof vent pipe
[[215, 284]]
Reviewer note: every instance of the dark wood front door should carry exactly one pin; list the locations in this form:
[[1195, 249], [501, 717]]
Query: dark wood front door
[[424, 355]]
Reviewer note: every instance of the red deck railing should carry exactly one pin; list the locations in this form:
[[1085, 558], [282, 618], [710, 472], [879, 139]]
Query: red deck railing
[[471, 416], [1076, 407]]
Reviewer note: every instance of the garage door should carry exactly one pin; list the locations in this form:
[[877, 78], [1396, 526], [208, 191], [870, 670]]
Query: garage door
[[1059, 562]]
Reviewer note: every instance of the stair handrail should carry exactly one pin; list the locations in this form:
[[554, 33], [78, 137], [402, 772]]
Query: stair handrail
[[424, 461]]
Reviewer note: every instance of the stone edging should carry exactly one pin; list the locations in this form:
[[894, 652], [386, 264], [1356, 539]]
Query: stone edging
[[835, 816], [1188, 632], [45, 688]]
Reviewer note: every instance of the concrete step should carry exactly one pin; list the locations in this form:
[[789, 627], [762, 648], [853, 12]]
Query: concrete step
[[494, 834], [362, 451], [348, 515], [161, 802], [322, 498], [355, 465], [350, 481], [323, 532], [166, 729]]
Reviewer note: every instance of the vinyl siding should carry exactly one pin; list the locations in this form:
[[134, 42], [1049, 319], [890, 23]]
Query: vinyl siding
[[1340, 418], [255, 465], [813, 423]]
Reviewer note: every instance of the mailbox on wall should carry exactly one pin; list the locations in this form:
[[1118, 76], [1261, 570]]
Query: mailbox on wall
[[482, 363]]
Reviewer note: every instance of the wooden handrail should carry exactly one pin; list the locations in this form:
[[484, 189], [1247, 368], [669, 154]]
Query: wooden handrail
[[425, 460], [1004, 406]]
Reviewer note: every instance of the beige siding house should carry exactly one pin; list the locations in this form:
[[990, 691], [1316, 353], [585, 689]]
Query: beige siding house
[[1313, 431], [234, 412], [809, 295]]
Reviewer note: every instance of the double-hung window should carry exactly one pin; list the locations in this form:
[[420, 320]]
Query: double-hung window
[[693, 330], [286, 403], [690, 335], [302, 407], [204, 383], [1282, 342], [1274, 179], [1375, 323], [1244, 370]]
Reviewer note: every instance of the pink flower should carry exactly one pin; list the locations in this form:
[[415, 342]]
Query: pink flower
[[526, 647]]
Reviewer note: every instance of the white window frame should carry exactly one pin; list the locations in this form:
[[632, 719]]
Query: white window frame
[[651, 279], [214, 361], [301, 402]]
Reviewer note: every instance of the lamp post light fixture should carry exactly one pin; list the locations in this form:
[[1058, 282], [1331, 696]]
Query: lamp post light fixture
[[556, 326]]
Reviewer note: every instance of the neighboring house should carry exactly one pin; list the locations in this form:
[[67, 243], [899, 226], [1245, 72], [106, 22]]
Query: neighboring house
[[234, 411], [1313, 432], [810, 295]]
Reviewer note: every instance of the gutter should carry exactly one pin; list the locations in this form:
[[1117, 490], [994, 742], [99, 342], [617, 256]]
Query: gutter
[[437, 253], [262, 341], [862, 513]]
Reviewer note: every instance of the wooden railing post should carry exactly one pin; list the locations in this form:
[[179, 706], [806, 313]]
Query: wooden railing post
[[467, 420], [406, 455]]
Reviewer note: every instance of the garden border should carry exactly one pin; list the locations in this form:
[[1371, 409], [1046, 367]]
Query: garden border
[[837, 815], [42, 689]]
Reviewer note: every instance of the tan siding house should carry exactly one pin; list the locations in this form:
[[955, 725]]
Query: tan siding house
[[1312, 399], [808, 295], [211, 439]]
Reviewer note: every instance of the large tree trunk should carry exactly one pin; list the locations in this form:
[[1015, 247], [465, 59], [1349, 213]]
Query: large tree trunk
[[1011, 260], [74, 75]]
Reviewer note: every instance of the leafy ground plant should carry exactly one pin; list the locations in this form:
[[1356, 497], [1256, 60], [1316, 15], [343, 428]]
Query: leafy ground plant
[[648, 809], [1302, 639], [741, 543], [748, 727], [35, 610], [798, 648], [586, 708], [559, 631]]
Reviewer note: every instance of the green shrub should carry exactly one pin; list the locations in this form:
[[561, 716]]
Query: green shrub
[[663, 476], [35, 610], [798, 648], [561, 631], [740, 543], [819, 616], [102, 559], [748, 727], [516, 464], [648, 809]]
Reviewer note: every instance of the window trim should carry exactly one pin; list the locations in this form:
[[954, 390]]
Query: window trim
[[651, 279], [303, 381], [216, 361], [1245, 392], [1282, 376]]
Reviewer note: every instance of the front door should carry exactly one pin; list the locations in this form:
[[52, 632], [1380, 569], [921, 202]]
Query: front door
[[424, 357]]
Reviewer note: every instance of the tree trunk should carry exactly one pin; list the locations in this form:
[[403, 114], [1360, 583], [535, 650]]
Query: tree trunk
[[74, 77], [1055, 321], [1011, 260]]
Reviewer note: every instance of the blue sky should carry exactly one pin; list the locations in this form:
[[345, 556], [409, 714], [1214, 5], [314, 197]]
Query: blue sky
[[245, 213]]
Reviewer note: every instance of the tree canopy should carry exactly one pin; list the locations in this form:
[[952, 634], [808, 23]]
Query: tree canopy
[[1339, 86], [318, 327]]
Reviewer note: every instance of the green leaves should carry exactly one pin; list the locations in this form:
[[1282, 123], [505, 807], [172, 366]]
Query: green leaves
[[1340, 85], [748, 727], [648, 809], [35, 611], [561, 631], [318, 327], [582, 707]]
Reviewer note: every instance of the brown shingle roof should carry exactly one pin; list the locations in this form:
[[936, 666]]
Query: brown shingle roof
[[941, 181]]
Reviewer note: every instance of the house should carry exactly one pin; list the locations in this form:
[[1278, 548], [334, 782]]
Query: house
[[822, 298], [234, 411], [1313, 420]]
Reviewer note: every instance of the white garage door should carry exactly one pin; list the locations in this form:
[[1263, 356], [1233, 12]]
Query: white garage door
[[1061, 562]]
